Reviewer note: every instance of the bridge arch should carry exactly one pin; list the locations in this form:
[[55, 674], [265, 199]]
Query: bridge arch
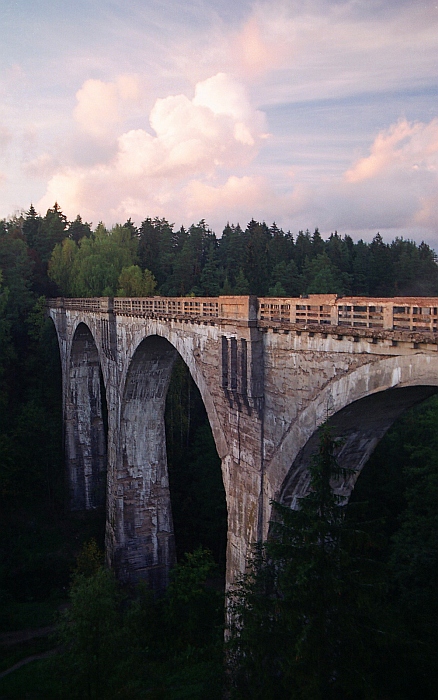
[[85, 430], [145, 538], [191, 354], [361, 406]]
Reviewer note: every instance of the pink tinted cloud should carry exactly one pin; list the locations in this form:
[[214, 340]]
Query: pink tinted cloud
[[102, 105], [236, 193], [403, 146], [193, 138], [44, 165], [319, 48], [255, 49], [394, 187]]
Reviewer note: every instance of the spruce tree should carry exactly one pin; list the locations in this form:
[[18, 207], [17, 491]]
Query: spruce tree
[[303, 616]]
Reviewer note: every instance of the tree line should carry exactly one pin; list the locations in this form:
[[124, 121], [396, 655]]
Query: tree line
[[69, 258]]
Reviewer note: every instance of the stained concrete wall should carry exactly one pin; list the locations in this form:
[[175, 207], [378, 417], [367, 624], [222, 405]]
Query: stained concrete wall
[[265, 393], [85, 439]]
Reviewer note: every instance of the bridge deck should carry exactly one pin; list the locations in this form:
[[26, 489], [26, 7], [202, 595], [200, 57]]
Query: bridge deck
[[409, 317]]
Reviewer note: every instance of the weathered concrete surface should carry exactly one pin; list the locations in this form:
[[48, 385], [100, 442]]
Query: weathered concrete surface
[[85, 439], [266, 390]]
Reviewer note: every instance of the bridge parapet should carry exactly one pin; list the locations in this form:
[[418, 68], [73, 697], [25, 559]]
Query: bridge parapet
[[418, 314], [414, 314]]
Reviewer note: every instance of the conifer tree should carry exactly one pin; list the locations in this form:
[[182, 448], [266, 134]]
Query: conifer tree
[[303, 616]]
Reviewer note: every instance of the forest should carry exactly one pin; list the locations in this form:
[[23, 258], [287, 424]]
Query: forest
[[341, 601]]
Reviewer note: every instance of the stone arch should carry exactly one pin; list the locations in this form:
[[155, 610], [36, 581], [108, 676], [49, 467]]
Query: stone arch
[[143, 535], [191, 354], [361, 407], [85, 434]]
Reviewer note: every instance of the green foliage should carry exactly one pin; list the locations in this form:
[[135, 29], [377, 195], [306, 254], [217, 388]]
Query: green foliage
[[6, 348], [259, 260], [90, 632], [192, 610], [400, 487], [51, 231], [256, 257], [77, 229], [34, 681], [242, 284], [62, 265], [322, 276], [135, 283], [17, 269], [156, 249], [89, 560], [93, 266], [171, 646]]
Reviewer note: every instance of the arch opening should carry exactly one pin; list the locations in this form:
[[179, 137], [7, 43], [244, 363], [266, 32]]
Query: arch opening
[[360, 426], [196, 486], [86, 426], [406, 452], [142, 521]]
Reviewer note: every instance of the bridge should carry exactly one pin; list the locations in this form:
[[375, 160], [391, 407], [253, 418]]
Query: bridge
[[269, 371]]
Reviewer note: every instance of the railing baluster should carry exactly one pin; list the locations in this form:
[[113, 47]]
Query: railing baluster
[[416, 314]]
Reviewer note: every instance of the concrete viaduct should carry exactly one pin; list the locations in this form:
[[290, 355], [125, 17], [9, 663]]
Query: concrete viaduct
[[269, 371]]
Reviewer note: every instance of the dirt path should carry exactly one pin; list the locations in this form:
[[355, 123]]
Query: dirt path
[[28, 660]]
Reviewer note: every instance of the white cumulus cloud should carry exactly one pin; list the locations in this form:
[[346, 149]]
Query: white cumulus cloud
[[195, 139], [404, 147]]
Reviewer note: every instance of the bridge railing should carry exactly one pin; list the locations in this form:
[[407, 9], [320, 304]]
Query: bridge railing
[[398, 313], [235, 308], [169, 307]]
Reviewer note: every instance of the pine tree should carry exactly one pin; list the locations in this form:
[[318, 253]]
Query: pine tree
[[303, 616]]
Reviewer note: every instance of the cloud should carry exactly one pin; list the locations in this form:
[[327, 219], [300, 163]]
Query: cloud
[[193, 136], [201, 149], [199, 138], [5, 137], [43, 165], [237, 194], [315, 49], [255, 49], [403, 147], [101, 106], [393, 187]]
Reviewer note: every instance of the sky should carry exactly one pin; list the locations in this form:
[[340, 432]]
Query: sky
[[309, 113]]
